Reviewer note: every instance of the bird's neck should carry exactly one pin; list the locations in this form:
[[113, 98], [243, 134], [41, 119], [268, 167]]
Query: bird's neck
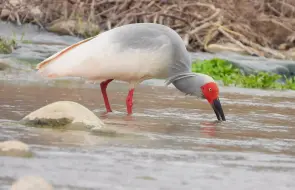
[[190, 82]]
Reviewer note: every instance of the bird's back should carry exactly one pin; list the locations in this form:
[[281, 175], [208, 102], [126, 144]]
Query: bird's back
[[152, 47], [129, 52]]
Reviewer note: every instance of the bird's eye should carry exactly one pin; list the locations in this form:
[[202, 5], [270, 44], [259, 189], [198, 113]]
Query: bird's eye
[[210, 89]]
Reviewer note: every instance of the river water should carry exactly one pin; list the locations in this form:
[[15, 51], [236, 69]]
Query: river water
[[173, 142]]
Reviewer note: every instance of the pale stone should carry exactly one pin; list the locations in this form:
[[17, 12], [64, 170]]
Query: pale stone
[[4, 13], [283, 46], [14, 148], [291, 53], [35, 11], [15, 2], [73, 26], [228, 47], [3, 65], [31, 183], [65, 114]]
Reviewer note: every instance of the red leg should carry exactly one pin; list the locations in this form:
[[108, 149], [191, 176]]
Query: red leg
[[129, 101], [103, 87]]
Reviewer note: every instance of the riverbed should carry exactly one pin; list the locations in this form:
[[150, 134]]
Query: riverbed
[[174, 141]]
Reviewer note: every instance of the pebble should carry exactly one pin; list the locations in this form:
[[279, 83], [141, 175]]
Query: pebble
[[14, 148]]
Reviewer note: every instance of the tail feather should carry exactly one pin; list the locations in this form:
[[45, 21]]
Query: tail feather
[[60, 53]]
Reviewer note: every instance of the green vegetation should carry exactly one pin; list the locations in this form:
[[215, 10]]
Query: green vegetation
[[230, 75], [7, 45]]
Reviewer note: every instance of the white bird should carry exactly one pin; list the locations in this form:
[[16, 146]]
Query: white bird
[[133, 53]]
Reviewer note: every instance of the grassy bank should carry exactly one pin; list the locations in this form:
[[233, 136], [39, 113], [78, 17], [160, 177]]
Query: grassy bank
[[224, 71]]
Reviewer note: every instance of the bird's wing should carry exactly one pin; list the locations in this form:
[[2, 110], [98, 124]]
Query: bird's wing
[[56, 55]]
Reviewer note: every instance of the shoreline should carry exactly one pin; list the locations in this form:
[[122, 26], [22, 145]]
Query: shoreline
[[204, 27], [36, 45]]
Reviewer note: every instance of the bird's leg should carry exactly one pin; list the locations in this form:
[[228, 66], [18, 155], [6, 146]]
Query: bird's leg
[[103, 87], [129, 101]]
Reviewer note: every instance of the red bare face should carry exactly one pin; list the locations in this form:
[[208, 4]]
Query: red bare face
[[210, 91]]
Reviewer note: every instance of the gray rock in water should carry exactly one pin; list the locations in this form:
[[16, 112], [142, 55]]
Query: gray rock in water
[[31, 183], [3, 65], [63, 114], [14, 148], [251, 64]]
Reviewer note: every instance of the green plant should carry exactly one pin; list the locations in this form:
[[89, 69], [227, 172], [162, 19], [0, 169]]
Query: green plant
[[218, 69], [226, 72], [25, 41], [7, 45], [289, 83]]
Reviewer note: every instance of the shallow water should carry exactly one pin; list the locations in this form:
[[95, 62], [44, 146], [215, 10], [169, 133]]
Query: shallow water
[[175, 141]]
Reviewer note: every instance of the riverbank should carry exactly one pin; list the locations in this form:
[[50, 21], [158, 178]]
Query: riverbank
[[33, 45], [248, 27]]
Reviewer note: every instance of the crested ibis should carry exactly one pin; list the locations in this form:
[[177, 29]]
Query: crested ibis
[[133, 53]]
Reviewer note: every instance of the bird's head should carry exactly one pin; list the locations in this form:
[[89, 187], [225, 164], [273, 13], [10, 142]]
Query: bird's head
[[201, 86], [210, 92]]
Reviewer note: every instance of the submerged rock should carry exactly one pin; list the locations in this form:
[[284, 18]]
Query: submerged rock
[[14, 148], [31, 183], [3, 66], [63, 114]]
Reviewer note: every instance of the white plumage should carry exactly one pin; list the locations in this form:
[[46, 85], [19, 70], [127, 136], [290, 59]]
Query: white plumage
[[100, 58], [131, 53]]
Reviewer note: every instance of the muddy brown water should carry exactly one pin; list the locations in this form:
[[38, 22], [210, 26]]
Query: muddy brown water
[[174, 142], [178, 145]]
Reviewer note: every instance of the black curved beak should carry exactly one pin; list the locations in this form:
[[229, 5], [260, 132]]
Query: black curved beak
[[218, 109]]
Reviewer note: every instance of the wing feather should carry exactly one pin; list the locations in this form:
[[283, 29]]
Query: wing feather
[[60, 53]]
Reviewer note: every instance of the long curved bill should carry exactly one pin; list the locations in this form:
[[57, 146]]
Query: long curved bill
[[216, 105]]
